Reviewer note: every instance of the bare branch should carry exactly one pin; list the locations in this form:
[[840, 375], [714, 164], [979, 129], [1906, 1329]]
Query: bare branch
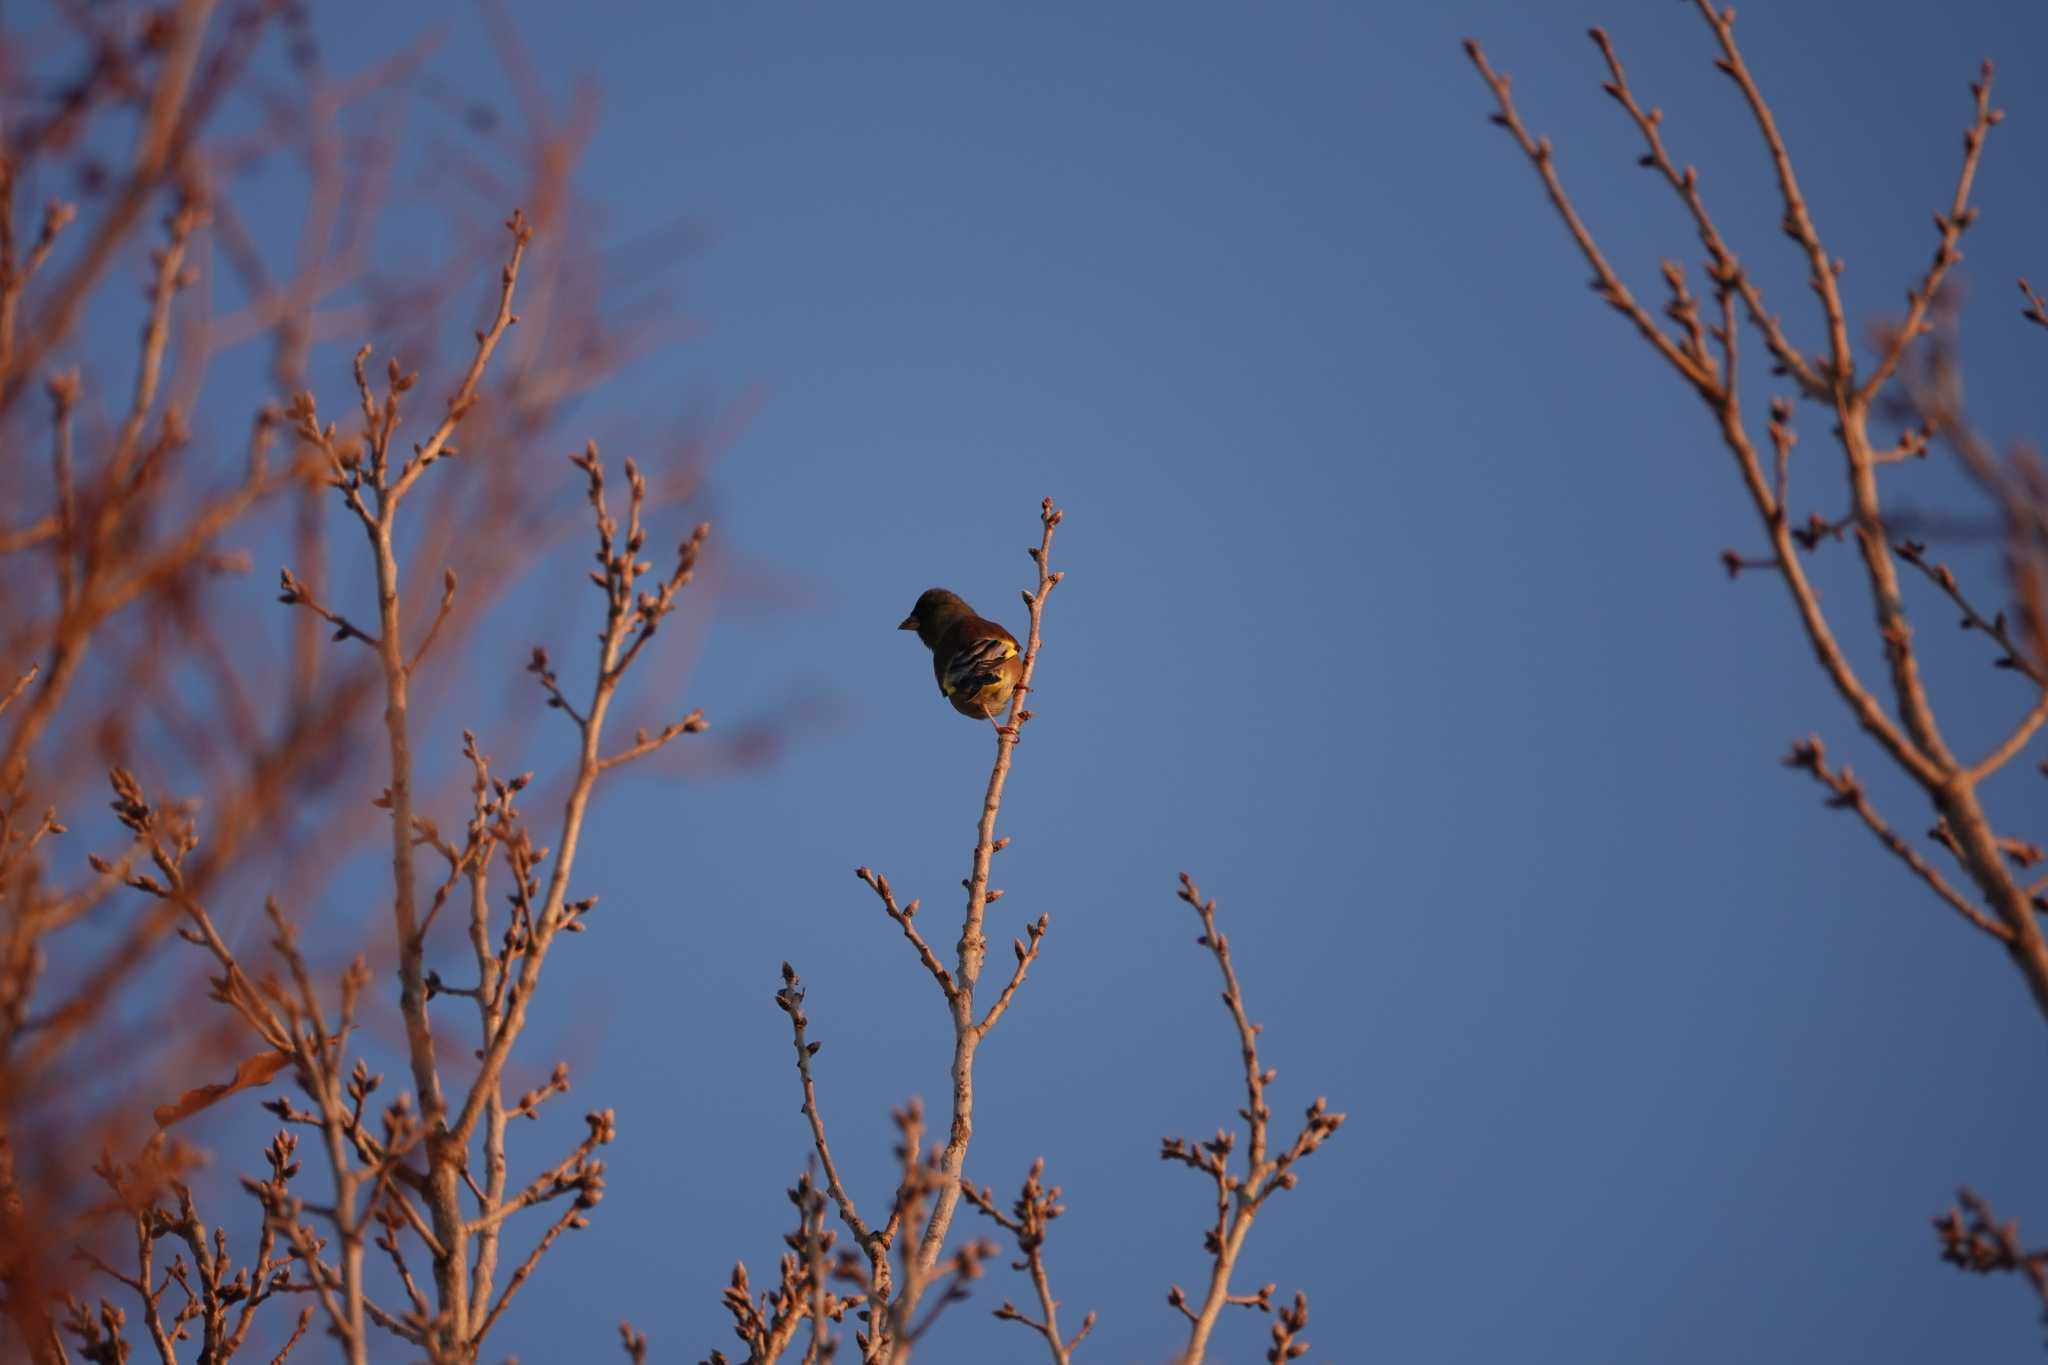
[[2011, 655], [2035, 312], [440, 616], [1809, 756], [973, 946], [294, 593], [1027, 953], [1238, 1198], [644, 743], [790, 999], [1973, 1239], [1029, 1216], [905, 917], [1723, 266], [465, 396], [1798, 222], [1951, 226], [1694, 370]]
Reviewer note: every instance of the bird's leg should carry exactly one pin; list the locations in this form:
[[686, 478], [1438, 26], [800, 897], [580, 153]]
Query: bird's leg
[[1003, 731]]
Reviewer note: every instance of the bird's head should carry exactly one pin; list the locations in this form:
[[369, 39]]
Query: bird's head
[[935, 610]]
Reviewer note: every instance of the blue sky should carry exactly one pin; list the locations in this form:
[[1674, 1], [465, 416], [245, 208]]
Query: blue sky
[[1393, 614]]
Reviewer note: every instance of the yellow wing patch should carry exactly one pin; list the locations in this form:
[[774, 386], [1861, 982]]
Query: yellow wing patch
[[974, 662]]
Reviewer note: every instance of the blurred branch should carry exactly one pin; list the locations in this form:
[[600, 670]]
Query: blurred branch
[[1973, 1239], [131, 513], [175, 110]]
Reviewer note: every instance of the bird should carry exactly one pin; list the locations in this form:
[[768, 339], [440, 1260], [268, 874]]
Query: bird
[[976, 661]]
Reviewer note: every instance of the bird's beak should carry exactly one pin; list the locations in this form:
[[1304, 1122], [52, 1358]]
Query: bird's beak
[[909, 623]]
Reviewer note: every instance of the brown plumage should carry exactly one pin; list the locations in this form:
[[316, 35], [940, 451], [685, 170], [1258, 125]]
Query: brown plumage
[[977, 662]]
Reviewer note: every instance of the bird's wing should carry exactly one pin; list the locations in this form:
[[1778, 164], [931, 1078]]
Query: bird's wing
[[975, 664]]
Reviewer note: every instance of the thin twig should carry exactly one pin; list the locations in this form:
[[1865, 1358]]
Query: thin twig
[[1035, 1208], [1809, 756], [644, 743], [1026, 953], [1722, 265], [440, 615], [791, 1000], [1951, 226], [1606, 283], [905, 918], [1973, 1239]]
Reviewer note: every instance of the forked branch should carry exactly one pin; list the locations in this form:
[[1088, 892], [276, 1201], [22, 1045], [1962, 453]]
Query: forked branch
[[1239, 1197]]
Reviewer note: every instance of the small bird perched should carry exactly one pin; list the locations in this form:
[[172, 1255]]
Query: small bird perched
[[975, 660]]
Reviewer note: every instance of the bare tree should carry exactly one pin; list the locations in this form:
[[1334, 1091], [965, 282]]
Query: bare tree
[[1976, 868], [123, 986]]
